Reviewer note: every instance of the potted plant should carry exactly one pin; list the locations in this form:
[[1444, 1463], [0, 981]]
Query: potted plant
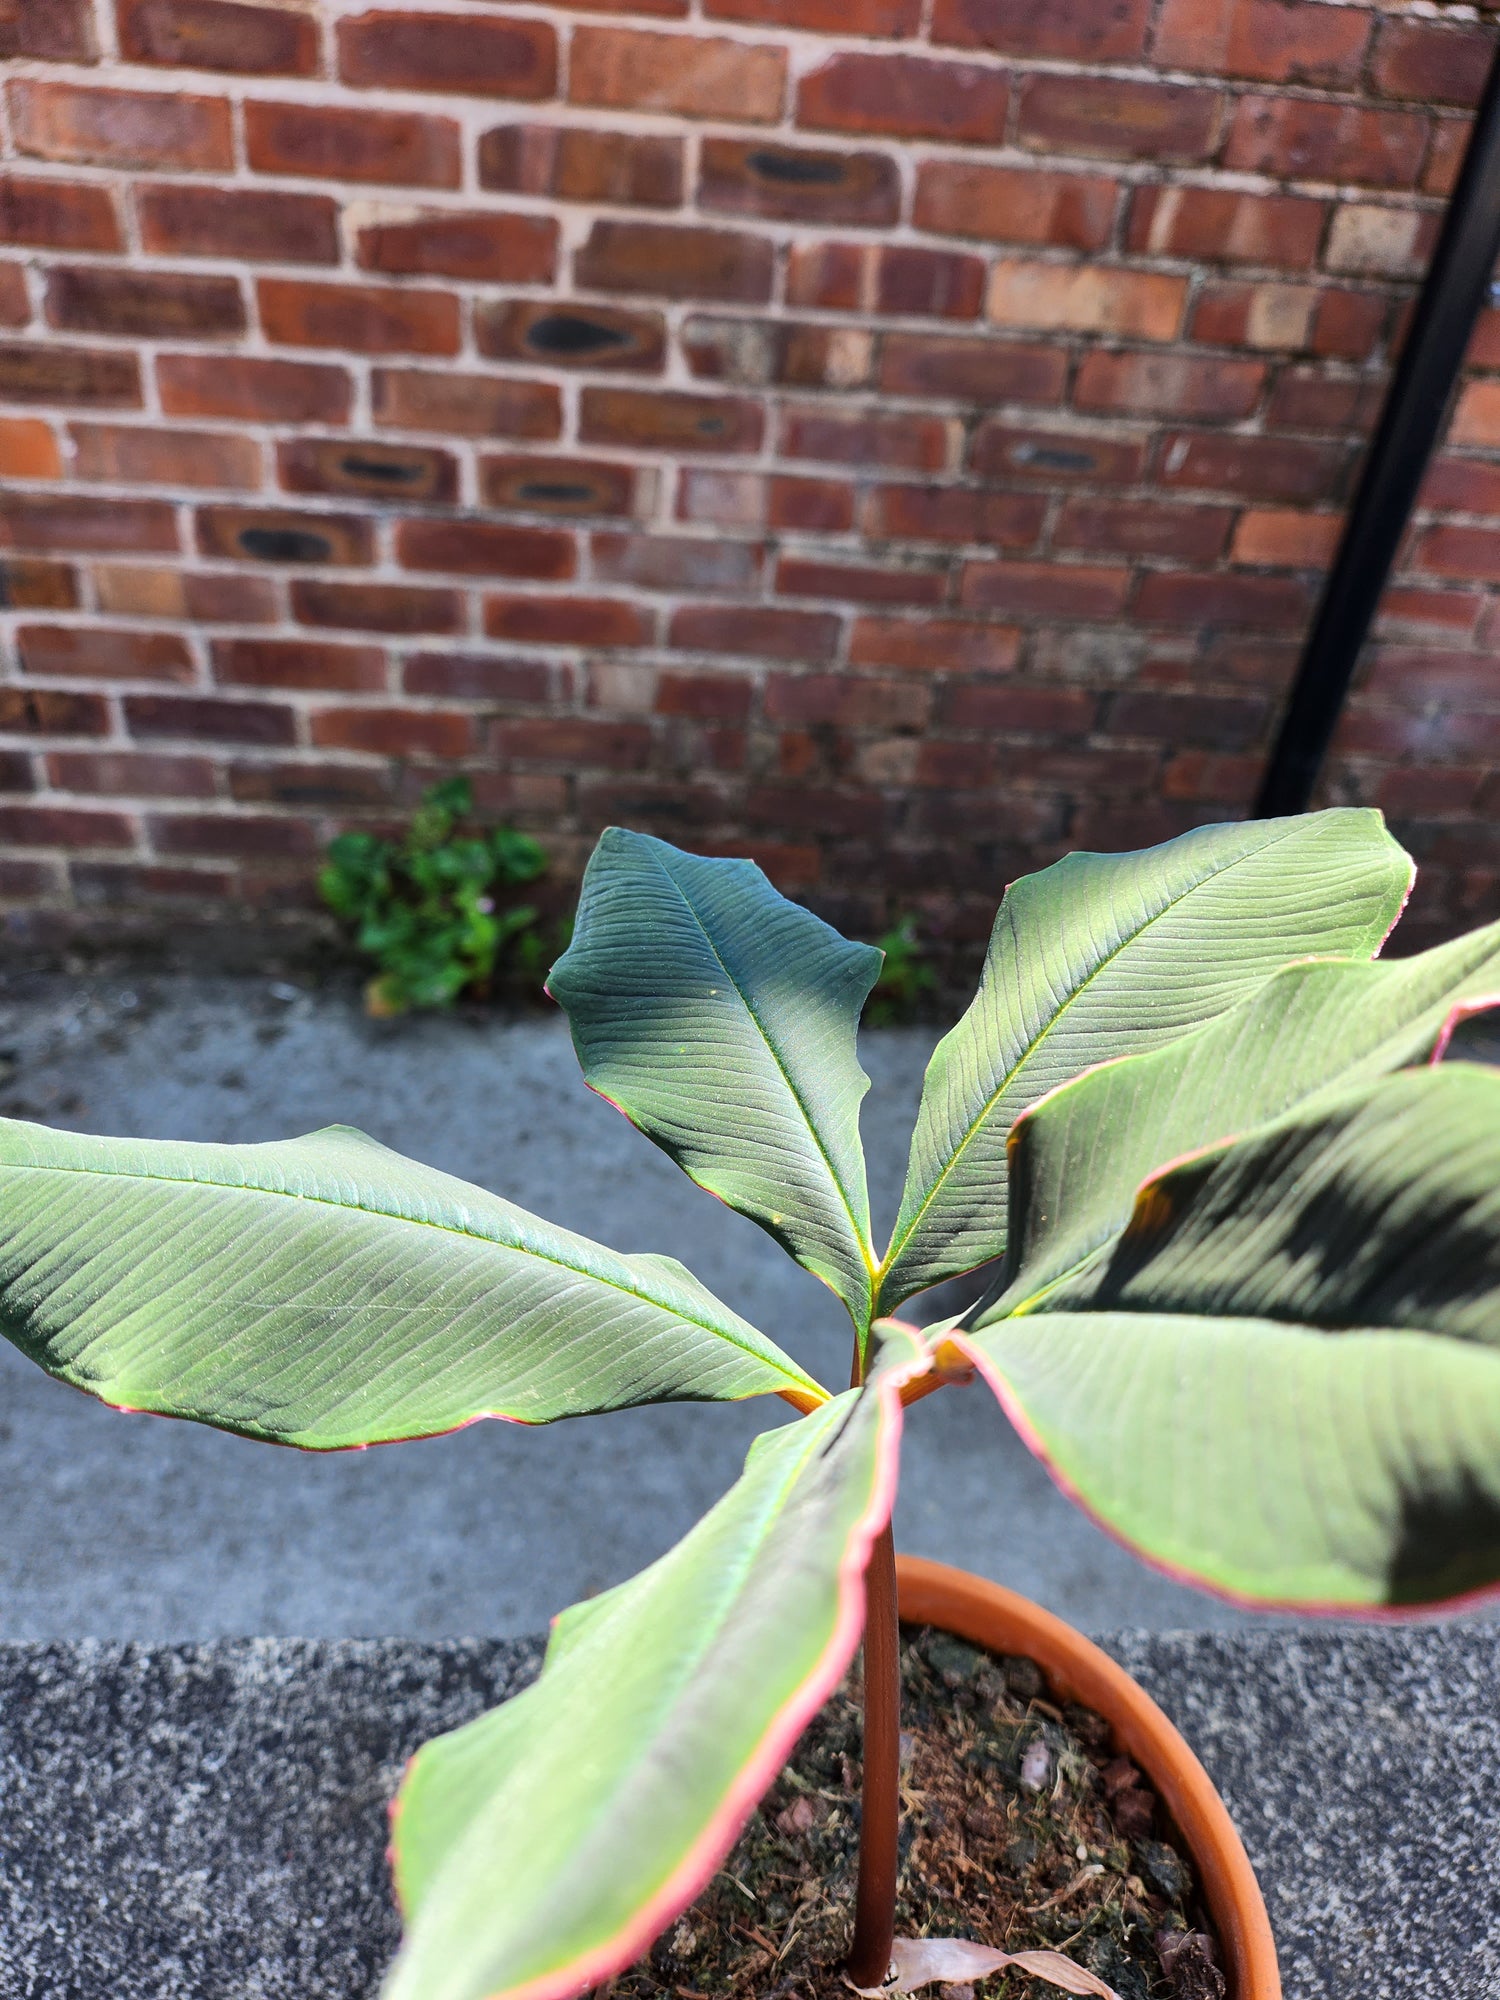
[[1243, 1236]]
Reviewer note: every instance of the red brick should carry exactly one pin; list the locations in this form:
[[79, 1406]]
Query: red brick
[[1274, 41], [1371, 241], [800, 353], [120, 128], [1084, 31], [29, 584], [1259, 601], [43, 521], [477, 677], [62, 375], [1476, 416], [1047, 590], [144, 305], [325, 142], [879, 20], [1432, 62], [1445, 611], [755, 632], [746, 177], [705, 697], [564, 335], [467, 53], [517, 249], [218, 34], [393, 732], [1086, 298], [1134, 527], [1450, 139], [1310, 399], [53, 30], [576, 741], [858, 583], [1286, 537], [908, 96], [971, 371], [57, 215], [298, 663], [1114, 118], [566, 621], [28, 449], [916, 281], [680, 261], [1015, 205], [466, 405], [675, 562], [134, 455], [374, 319], [1349, 325], [1450, 549], [812, 506], [15, 301], [233, 385], [1168, 385], [372, 607], [938, 645], [284, 535], [486, 548], [896, 442], [571, 163], [369, 467], [99, 652], [1255, 468], [1198, 774], [567, 488], [51, 712], [696, 76], [206, 597], [1268, 316], [131, 774], [1015, 707], [1222, 721], [257, 224], [152, 718], [1462, 485], [238, 836], [63, 826], [1298, 138], [1214, 224], [668, 420], [930, 513]]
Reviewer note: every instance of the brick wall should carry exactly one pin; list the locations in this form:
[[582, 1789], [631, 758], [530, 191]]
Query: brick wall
[[900, 436]]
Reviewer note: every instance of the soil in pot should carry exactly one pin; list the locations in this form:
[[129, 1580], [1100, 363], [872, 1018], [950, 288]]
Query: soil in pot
[[1021, 1827]]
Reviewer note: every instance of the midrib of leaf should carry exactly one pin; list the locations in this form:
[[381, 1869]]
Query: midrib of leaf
[[415, 1222], [895, 1248], [865, 1249]]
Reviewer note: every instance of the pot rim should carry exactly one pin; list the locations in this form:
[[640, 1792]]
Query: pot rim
[[986, 1614]]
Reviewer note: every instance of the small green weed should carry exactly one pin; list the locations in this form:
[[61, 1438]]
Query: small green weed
[[435, 909], [905, 977]]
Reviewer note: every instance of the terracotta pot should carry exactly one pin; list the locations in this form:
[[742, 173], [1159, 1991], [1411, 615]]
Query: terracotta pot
[[984, 1614]]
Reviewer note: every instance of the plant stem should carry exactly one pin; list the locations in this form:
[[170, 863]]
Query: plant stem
[[875, 1899]]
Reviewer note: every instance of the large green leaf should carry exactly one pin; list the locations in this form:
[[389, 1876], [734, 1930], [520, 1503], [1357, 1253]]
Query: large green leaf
[[1105, 955], [541, 1848], [1077, 1157], [326, 1292], [721, 1019], [1284, 1377]]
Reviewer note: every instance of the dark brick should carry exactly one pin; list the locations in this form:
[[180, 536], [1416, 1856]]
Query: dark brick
[[668, 420], [567, 620], [260, 225], [575, 741], [1056, 457], [564, 487], [52, 712], [280, 535], [233, 836], [478, 677], [1133, 527], [752, 177], [1255, 468], [57, 215], [63, 826], [859, 583], [153, 717], [367, 466], [564, 335], [376, 607], [131, 774], [298, 663], [144, 305], [1258, 601], [99, 376]]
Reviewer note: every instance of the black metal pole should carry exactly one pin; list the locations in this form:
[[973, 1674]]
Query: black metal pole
[[1455, 289]]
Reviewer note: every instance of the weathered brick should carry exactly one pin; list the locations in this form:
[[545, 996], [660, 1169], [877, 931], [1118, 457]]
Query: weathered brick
[[1302, 139], [1016, 708], [1449, 548], [567, 488], [1083, 31], [478, 677], [138, 774], [51, 712], [64, 826], [120, 128], [1222, 721], [1312, 399], [1261, 602], [668, 420], [1015, 205], [259, 225], [1117, 118], [32, 584], [915, 281], [859, 583], [728, 499], [298, 663], [486, 548], [155, 718], [971, 371], [1273, 41], [576, 741], [373, 607], [102, 652], [1143, 528], [44, 521], [759, 631], [1450, 139], [682, 261], [1217, 224], [205, 597], [113, 885], [327, 142], [57, 215], [467, 405], [257, 391], [899, 442], [467, 53], [144, 305], [1168, 385], [846, 701], [284, 535], [51, 30], [367, 466], [218, 34], [1045, 590], [1368, 241], [929, 513], [1432, 62], [233, 836], [1286, 537], [936, 645], [28, 449], [565, 335], [910, 97], [139, 455], [374, 319], [571, 163], [878, 19], [1268, 316], [1255, 467], [797, 184], [675, 562], [567, 621], [756, 352], [1086, 298], [696, 76]]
